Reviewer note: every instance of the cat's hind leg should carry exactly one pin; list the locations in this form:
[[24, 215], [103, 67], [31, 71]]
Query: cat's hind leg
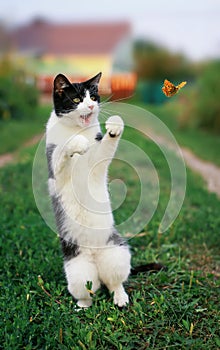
[[80, 272], [113, 265]]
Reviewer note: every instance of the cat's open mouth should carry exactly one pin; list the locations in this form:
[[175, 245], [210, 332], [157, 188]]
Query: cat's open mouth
[[86, 118]]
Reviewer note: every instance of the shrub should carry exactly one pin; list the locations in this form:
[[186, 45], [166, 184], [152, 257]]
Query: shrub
[[155, 63], [18, 94], [199, 103], [207, 107]]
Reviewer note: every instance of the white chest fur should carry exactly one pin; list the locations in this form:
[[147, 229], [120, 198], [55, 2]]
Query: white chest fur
[[80, 182]]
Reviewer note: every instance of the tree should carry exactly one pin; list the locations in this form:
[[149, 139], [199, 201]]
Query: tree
[[18, 97], [154, 62], [207, 105]]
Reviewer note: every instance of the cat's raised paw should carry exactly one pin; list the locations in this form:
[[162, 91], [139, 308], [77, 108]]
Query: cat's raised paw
[[114, 126], [78, 144]]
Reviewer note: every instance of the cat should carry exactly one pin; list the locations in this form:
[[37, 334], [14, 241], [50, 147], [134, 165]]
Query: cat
[[78, 157]]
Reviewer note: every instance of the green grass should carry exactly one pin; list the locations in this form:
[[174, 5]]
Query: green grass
[[203, 143], [16, 132], [173, 309]]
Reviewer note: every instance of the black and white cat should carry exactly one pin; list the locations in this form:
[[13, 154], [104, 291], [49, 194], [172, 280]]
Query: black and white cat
[[78, 160]]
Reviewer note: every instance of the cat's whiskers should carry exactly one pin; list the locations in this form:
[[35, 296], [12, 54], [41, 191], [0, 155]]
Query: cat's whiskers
[[104, 114], [115, 100], [106, 100], [107, 113]]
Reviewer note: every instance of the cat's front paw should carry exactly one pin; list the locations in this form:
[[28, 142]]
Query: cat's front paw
[[78, 144], [121, 299], [114, 126]]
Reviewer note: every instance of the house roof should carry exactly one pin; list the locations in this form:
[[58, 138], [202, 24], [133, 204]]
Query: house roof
[[41, 37]]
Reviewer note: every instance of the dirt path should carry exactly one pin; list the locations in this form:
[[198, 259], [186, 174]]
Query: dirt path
[[209, 171], [6, 158], [11, 157]]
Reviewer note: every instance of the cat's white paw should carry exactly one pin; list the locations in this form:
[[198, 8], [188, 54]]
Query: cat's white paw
[[84, 303], [121, 298], [78, 144], [114, 126]]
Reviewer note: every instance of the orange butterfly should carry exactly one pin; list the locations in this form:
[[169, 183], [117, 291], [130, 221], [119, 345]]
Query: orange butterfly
[[169, 89]]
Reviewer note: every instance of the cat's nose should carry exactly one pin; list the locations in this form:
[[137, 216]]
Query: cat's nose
[[91, 107]]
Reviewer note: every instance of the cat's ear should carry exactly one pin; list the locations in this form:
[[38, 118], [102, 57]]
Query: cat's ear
[[60, 83], [94, 81]]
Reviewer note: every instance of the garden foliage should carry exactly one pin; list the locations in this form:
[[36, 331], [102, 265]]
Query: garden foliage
[[18, 93]]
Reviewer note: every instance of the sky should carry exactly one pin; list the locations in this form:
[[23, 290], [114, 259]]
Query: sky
[[189, 26]]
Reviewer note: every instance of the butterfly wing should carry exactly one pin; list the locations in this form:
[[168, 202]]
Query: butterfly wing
[[169, 89], [181, 85]]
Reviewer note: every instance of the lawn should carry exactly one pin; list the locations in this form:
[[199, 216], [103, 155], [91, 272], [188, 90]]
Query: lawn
[[14, 133], [177, 308], [204, 144]]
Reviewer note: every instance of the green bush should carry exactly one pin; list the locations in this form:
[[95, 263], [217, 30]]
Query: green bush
[[153, 62], [200, 103], [207, 107], [18, 94]]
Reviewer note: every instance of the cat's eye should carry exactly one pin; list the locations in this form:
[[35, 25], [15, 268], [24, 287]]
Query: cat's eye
[[93, 98], [76, 100]]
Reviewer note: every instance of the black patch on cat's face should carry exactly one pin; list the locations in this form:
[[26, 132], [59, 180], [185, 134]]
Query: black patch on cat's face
[[64, 93]]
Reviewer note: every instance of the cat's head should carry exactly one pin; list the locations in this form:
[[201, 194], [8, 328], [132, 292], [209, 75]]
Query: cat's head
[[77, 102]]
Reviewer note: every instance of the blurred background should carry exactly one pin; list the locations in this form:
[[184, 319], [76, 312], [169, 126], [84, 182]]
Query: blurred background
[[135, 44]]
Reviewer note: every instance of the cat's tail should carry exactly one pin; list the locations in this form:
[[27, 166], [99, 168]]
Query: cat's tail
[[151, 267]]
